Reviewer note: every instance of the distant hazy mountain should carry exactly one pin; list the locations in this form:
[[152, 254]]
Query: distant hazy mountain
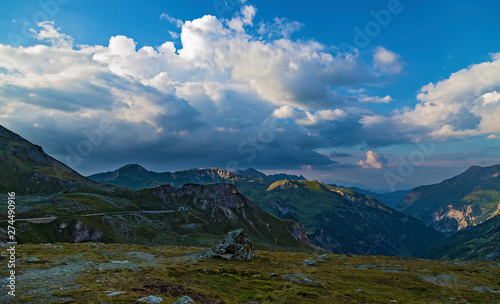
[[344, 221], [62, 206], [390, 199], [136, 177], [282, 176], [481, 242], [468, 199]]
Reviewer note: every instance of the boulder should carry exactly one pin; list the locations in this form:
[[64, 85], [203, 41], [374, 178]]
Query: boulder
[[151, 299], [309, 262], [235, 245], [184, 300]]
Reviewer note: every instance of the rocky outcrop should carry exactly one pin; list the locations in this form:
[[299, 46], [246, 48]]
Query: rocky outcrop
[[184, 300], [235, 246], [84, 233], [465, 200], [299, 232], [450, 219]]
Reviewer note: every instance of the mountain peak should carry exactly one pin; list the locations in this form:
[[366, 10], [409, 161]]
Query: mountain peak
[[7, 135], [26, 168], [135, 167], [467, 199], [252, 170]]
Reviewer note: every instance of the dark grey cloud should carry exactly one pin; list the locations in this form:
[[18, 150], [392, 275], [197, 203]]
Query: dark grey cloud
[[340, 154]]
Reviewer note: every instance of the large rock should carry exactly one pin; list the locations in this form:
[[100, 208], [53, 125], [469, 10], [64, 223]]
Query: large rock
[[184, 300], [235, 245], [150, 300]]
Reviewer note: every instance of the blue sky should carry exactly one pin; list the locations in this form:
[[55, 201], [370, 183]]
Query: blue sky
[[265, 84]]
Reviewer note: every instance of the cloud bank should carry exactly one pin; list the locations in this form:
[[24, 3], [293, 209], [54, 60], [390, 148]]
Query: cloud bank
[[196, 105]]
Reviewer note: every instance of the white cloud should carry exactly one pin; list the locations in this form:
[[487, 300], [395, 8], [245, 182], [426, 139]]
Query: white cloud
[[172, 20], [307, 118], [245, 17], [284, 112], [336, 114], [387, 61], [375, 99], [372, 120], [49, 33], [373, 160], [174, 34], [279, 28], [465, 104]]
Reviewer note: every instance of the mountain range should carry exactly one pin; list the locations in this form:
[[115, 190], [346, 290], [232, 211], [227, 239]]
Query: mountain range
[[56, 204], [337, 219], [199, 206]]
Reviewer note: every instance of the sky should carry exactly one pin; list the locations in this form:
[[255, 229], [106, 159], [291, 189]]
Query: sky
[[384, 95]]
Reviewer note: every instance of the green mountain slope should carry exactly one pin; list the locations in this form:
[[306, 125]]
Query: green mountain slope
[[344, 221], [454, 204], [481, 242], [24, 167], [191, 215]]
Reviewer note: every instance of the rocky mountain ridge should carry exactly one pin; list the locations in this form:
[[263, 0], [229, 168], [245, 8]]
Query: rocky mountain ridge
[[468, 199]]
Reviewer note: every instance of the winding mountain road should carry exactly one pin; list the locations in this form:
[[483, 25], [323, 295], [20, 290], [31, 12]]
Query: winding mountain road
[[42, 220]]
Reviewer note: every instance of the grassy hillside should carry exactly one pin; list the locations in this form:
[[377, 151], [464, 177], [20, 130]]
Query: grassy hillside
[[25, 168], [192, 215], [111, 273], [454, 204], [345, 221]]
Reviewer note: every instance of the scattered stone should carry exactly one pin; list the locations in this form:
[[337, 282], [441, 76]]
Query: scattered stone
[[235, 245], [150, 299], [361, 267], [184, 300], [120, 262], [363, 290], [272, 275], [32, 260], [303, 279], [444, 280], [485, 289], [116, 293], [309, 262], [322, 257]]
